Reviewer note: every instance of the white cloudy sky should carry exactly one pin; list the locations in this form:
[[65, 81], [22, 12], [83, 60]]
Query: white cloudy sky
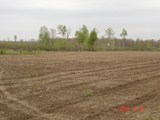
[[24, 18]]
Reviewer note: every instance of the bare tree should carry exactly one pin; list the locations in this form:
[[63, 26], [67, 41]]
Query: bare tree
[[110, 33], [15, 38], [68, 33], [52, 35], [64, 31]]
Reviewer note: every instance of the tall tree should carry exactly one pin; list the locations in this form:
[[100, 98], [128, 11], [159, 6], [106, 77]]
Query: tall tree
[[62, 30], [110, 33], [44, 36], [92, 38], [124, 33], [82, 34]]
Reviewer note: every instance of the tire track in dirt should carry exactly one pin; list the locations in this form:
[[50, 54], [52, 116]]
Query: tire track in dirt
[[90, 72], [80, 73], [78, 85], [96, 81], [22, 103], [127, 85], [67, 76], [109, 76]]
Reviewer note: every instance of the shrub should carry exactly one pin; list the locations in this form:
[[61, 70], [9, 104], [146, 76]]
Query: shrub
[[3, 51]]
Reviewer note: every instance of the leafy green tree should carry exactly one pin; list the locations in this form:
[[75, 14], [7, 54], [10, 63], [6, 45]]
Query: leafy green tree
[[124, 33], [44, 36], [82, 36], [110, 33], [92, 38], [62, 30]]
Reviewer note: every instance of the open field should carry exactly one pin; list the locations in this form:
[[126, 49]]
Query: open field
[[80, 86]]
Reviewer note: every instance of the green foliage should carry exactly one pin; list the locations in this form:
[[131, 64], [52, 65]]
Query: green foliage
[[110, 33], [3, 51], [83, 85], [140, 45], [124, 33], [87, 41], [92, 38], [150, 118], [62, 30], [90, 93], [82, 35], [20, 52], [148, 45], [44, 36], [63, 45]]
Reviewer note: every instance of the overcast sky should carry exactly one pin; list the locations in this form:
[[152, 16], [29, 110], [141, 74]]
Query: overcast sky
[[141, 18]]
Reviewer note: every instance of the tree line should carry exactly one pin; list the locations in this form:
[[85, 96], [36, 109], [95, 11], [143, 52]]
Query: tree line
[[84, 40], [83, 37]]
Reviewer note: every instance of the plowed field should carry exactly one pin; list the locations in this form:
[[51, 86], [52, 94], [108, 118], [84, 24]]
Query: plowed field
[[80, 86]]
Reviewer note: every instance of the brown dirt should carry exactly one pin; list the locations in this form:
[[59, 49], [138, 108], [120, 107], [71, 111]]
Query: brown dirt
[[56, 86]]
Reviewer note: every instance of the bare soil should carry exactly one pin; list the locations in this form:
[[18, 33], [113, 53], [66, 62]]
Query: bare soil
[[80, 86]]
